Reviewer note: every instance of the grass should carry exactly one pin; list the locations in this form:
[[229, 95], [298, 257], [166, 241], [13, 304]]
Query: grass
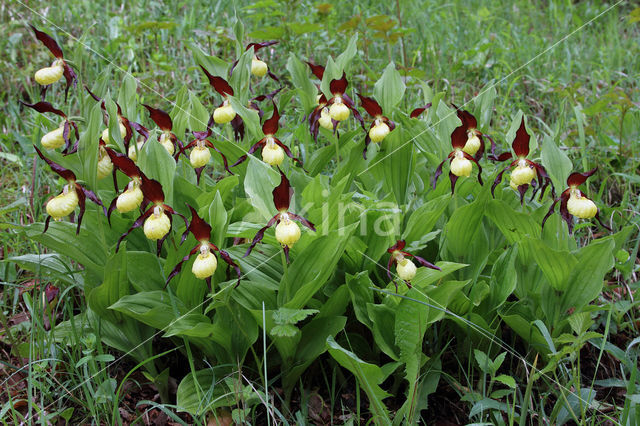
[[572, 66]]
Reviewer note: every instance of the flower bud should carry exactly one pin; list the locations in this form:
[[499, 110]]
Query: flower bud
[[130, 199], [460, 166], [580, 206], [325, 119], [157, 225], [50, 75], [406, 269], [523, 174], [132, 153], [339, 111], [473, 144], [379, 131], [287, 232], [62, 205], [165, 140], [105, 133], [199, 156], [272, 154], [224, 113], [105, 166], [205, 264], [258, 68], [54, 139]]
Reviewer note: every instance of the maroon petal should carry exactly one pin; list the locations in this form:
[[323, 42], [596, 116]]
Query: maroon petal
[[416, 112], [338, 87], [459, 137], [49, 42], [238, 127], [367, 141], [160, 117], [260, 234], [253, 149], [453, 179], [269, 96], [224, 159], [498, 179], [287, 151], [550, 212], [176, 270], [94, 96], [273, 76], [285, 249], [124, 164], [398, 246], [270, 126], [282, 194], [219, 84], [576, 179], [91, 196], [46, 224], [349, 103], [200, 229], [503, 157], [480, 151], [152, 190], [493, 146], [186, 147], [564, 211], [71, 78], [303, 221], [227, 258], [81, 204], [602, 223], [57, 168], [317, 70], [522, 189], [43, 107], [437, 174], [521, 142], [470, 158], [371, 106], [467, 119], [258, 46], [423, 262]]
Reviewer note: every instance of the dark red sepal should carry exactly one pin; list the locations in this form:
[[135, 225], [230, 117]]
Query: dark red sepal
[[437, 174], [160, 117], [70, 77], [416, 112], [551, 210], [260, 234], [49, 42], [152, 190], [459, 137], [43, 107], [453, 179], [370, 105], [423, 262], [498, 179], [237, 124], [258, 46], [253, 149], [282, 193], [176, 270], [137, 224], [288, 152], [339, 86], [576, 179], [302, 220], [398, 246], [227, 258], [317, 70], [467, 119], [66, 174], [270, 126], [470, 158], [219, 84], [200, 229], [504, 157], [123, 163], [521, 142]]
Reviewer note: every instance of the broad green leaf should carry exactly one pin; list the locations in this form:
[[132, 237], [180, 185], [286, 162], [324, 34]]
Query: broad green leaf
[[344, 59], [114, 125], [513, 225], [218, 220], [557, 266], [191, 325], [114, 287], [312, 267], [127, 97], [204, 392], [382, 316], [198, 114], [424, 218], [361, 295], [213, 64], [427, 276], [144, 271], [259, 183], [250, 118], [556, 162], [369, 377], [503, 278], [153, 308], [88, 147], [389, 89], [463, 226], [156, 163], [301, 81], [398, 164]]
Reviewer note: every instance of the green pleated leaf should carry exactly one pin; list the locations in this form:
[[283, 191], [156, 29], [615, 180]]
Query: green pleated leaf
[[389, 89]]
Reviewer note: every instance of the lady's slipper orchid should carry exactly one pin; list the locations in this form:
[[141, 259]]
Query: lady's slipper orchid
[[156, 221], [224, 113], [167, 138], [200, 154], [49, 75], [475, 138], [287, 231], [573, 202], [320, 117], [340, 104], [72, 196], [60, 136], [524, 171], [259, 68], [273, 150], [131, 197], [380, 127], [405, 268], [206, 263], [461, 163]]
